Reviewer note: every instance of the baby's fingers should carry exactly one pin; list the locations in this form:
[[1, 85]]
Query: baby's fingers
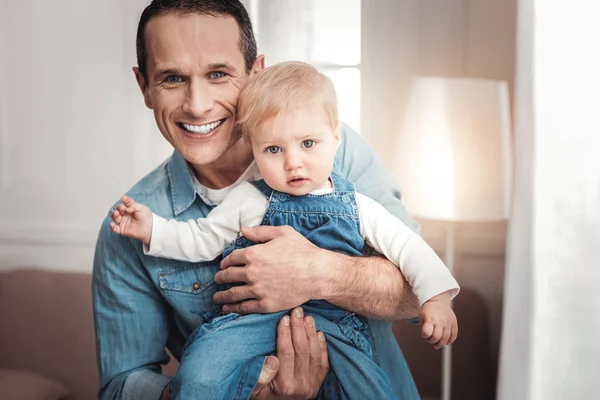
[[116, 216], [125, 210], [427, 330], [128, 201], [115, 228], [453, 333], [444, 340], [438, 331]]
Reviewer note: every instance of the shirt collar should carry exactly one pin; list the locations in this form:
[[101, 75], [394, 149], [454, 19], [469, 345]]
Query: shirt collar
[[183, 191]]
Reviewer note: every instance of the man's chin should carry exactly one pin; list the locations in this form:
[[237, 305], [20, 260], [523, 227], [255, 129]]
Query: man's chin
[[201, 158]]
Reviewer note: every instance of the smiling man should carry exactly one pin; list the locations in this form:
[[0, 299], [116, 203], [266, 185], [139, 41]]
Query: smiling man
[[194, 57]]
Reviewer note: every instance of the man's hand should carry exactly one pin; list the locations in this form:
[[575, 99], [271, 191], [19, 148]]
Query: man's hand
[[301, 364], [280, 273], [438, 322], [287, 270], [133, 220]]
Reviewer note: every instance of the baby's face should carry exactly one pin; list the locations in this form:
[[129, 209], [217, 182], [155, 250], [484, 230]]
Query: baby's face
[[295, 150]]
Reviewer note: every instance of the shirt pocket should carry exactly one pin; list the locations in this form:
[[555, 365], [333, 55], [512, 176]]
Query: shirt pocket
[[190, 288]]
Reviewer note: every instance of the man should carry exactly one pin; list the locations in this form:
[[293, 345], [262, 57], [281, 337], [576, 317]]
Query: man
[[194, 57]]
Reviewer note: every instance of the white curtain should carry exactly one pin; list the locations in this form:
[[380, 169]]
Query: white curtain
[[550, 347]]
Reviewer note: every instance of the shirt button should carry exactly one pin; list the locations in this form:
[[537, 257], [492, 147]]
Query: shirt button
[[346, 198], [196, 286], [282, 196]]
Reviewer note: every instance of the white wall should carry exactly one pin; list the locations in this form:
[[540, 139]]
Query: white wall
[[74, 134]]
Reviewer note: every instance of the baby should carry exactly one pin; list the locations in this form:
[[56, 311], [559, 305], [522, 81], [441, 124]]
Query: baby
[[288, 114]]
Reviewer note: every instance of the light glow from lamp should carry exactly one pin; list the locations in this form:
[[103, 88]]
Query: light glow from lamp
[[454, 160]]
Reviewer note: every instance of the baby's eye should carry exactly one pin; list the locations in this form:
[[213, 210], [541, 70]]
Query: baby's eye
[[308, 143], [273, 149]]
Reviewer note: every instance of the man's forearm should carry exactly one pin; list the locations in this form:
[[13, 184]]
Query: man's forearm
[[370, 286]]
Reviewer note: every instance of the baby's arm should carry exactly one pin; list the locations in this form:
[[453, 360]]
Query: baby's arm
[[193, 240], [204, 239], [421, 266], [431, 281]]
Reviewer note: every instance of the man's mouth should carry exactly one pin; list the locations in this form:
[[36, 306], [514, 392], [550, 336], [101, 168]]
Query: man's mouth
[[201, 129]]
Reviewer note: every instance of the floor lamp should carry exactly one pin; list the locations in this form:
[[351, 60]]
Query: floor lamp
[[454, 160]]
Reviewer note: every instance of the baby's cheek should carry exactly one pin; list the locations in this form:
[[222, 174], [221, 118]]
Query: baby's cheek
[[270, 172]]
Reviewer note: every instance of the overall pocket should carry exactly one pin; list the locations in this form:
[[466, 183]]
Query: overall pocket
[[356, 332]]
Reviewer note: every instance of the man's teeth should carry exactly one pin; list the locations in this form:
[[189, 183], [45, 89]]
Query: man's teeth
[[202, 128]]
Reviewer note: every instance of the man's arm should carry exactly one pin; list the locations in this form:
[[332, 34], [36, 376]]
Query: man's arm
[[392, 296], [420, 265], [370, 286], [373, 282], [131, 322]]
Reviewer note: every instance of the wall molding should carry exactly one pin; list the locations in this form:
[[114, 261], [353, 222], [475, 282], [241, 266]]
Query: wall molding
[[472, 239], [5, 159], [48, 235]]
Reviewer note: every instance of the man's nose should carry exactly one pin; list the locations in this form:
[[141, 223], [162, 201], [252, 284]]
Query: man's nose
[[199, 99]]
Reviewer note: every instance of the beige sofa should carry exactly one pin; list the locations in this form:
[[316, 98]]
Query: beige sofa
[[47, 341]]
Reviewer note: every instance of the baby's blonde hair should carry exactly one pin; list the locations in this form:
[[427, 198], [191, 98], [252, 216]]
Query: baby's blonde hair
[[284, 87]]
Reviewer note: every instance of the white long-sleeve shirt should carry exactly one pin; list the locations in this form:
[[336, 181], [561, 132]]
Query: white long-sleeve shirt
[[205, 238]]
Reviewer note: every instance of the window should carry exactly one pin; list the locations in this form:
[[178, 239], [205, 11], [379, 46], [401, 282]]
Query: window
[[326, 34]]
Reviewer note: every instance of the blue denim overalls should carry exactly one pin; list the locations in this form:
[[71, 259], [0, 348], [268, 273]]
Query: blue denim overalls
[[223, 358]]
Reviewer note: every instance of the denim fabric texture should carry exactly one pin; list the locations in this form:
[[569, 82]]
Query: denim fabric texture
[[143, 304], [223, 358]]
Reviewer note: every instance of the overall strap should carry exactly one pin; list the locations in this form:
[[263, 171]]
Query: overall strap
[[340, 184], [262, 186]]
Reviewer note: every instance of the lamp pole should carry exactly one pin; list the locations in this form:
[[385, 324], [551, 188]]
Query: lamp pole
[[447, 350]]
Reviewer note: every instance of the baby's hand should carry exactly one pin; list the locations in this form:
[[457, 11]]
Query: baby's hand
[[438, 322], [133, 220]]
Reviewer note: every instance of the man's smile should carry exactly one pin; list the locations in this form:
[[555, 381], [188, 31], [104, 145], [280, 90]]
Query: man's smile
[[201, 129]]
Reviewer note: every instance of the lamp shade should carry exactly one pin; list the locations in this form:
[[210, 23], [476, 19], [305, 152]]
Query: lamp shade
[[454, 158]]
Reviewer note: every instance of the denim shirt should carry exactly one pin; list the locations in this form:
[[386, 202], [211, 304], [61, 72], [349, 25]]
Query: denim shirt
[[143, 304]]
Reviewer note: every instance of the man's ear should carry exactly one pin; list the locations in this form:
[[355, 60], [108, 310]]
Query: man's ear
[[258, 65], [141, 81]]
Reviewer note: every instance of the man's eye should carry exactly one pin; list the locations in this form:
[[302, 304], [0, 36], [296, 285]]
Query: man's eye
[[173, 79], [273, 149], [216, 75], [308, 143]]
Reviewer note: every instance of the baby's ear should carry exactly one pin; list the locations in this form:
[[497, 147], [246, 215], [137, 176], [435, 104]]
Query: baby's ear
[[338, 134]]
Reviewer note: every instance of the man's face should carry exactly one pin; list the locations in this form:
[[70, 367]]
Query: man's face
[[195, 71]]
